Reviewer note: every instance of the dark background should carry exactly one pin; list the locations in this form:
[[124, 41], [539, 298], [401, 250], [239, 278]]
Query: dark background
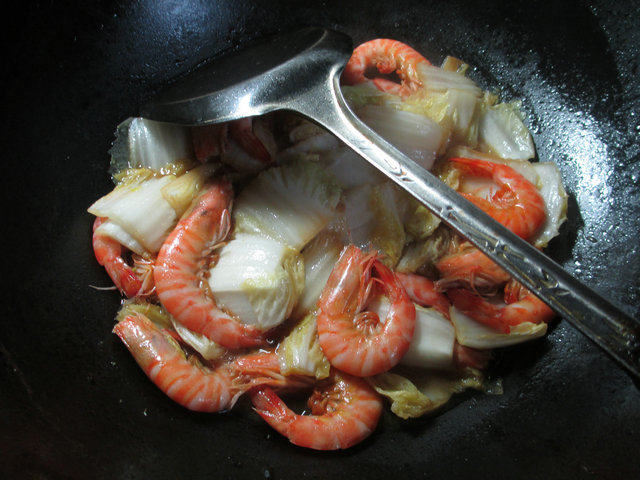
[[73, 404]]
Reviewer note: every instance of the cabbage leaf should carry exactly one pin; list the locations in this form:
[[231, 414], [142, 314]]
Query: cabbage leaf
[[258, 279], [290, 204], [300, 353]]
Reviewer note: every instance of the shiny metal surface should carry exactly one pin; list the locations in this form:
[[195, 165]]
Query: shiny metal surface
[[300, 72]]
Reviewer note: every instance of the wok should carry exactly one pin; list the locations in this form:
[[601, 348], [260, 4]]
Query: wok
[[74, 404]]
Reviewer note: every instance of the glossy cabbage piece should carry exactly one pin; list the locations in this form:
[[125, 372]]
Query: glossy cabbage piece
[[476, 335], [414, 393], [300, 352], [142, 143], [319, 257], [555, 200], [290, 204], [141, 210], [258, 279], [433, 337], [373, 220], [415, 135]]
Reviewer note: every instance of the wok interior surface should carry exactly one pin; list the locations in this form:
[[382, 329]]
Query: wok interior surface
[[74, 404]]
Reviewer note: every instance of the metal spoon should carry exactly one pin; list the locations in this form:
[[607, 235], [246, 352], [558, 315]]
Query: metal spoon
[[300, 72]]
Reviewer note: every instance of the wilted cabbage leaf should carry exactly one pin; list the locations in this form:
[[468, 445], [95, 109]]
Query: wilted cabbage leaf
[[373, 219], [140, 209], [476, 335], [290, 204], [503, 133], [555, 201], [320, 256], [300, 351], [414, 393]]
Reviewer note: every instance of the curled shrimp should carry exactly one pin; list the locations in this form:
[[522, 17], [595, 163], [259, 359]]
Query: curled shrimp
[[423, 291], [516, 203], [180, 261], [195, 386], [354, 341], [520, 306], [344, 411], [132, 282], [387, 56]]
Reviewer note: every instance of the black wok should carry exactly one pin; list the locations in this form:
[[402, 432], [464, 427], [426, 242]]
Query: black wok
[[73, 403]]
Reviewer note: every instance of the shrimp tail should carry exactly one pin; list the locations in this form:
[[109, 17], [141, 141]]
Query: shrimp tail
[[269, 405]]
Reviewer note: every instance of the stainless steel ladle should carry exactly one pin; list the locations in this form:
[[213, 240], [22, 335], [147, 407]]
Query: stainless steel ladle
[[300, 72]]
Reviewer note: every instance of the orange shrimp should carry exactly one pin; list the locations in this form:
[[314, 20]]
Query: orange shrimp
[[423, 291], [242, 132], [471, 267], [179, 262], [344, 411], [184, 381], [520, 306], [209, 140], [358, 342], [108, 253], [193, 387], [470, 357], [387, 56], [516, 203]]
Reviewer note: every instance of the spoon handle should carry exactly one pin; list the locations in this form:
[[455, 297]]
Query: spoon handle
[[610, 328]]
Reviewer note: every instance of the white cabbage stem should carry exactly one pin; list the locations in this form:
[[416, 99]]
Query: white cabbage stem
[[141, 210], [417, 136], [257, 279]]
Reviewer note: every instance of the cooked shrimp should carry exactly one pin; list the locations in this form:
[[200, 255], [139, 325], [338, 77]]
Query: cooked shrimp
[[516, 203], [242, 132], [159, 356], [524, 307], [209, 140], [108, 253], [387, 56], [180, 261], [423, 291], [194, 386], [354, 341], [344, 411], [471, 267], [470, 357]]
